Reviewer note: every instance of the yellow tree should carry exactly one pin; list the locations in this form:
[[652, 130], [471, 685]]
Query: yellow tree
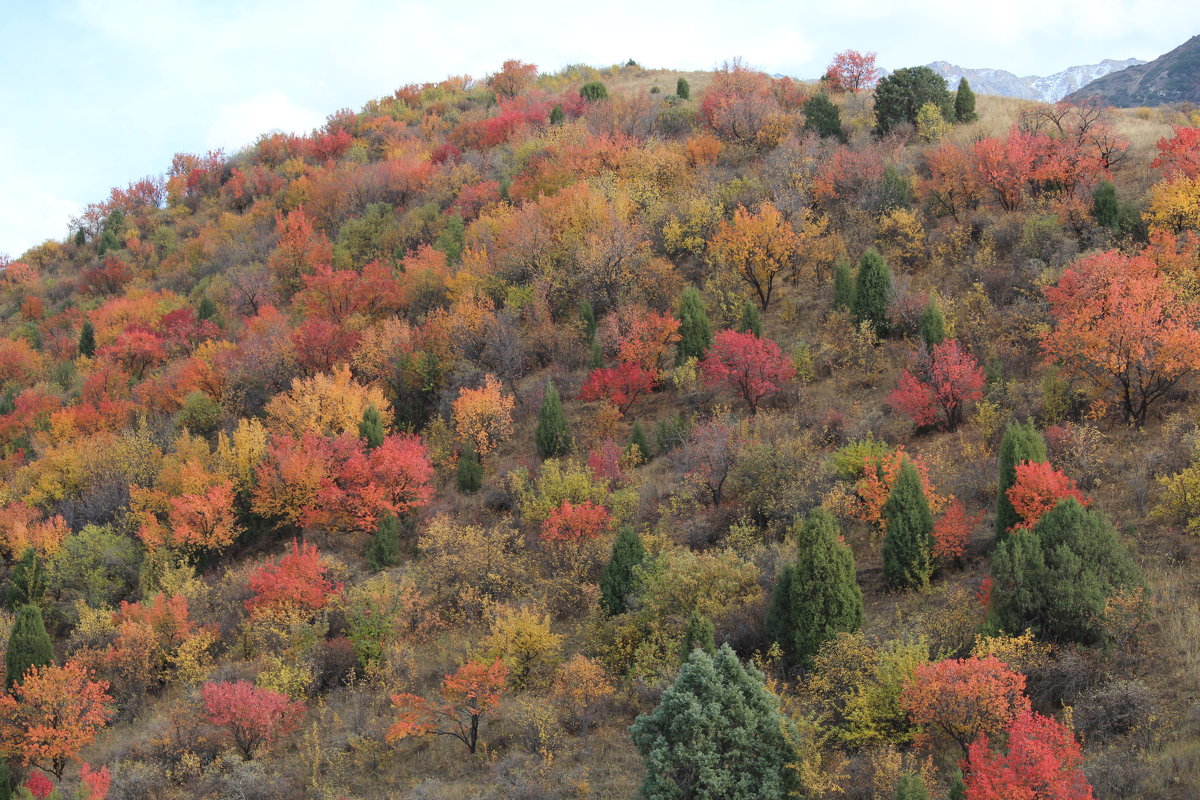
[[757, 247], [326, 404], [483, 416]]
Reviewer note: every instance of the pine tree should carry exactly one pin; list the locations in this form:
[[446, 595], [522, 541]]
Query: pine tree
[[695, 331], [964, 102], [80, 241], [717, 733], [207, 309], [593, 91], [370, 429], [28, 645], [697, 634], [553, 434], [1105, 207], [908, 541], [588, 316], [637, 438], [823, 117], [1021, 442], [958, 787], [843, 285], [910, 786], [27, 582], [873, 291], [6, 773], [596, 356], [618, 581], [452, 239], [750, 322], [816, 597], [932, 325], [469, 474], [87, 339], [384, 550], [1056, 578], [556, 115], [682, 89]]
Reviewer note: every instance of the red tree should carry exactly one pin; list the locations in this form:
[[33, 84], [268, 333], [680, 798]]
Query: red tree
[[1038, 488], [852, 71], [753, 367], [963, 699], [253, 717], [1043, 762], [1179, 155], [297, 580], [945, 381], [621, 385], [576, 522], [738, 103], [951, 530], [466, 695], [710, 454]]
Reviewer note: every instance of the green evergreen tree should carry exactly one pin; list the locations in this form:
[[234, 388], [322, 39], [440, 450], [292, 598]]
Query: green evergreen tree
[[637, 438], [682, 89], [370, 429], [695, 331], [199, 414], [595, 356], [6, 786], [1056, 578], [207, 308], [717, 733], [452, 239], [1105, 207], [1021, 442], [27, 581], [910, 786], [908, 540], [384, 550], [816, 597], [80, 241], [469, 474], [958, 787], [873, 291], [698, 633], [87, 339], [932, 325], [553, 434], [588, 316], [964, 102], [618, 580], [751, 321], [843, 285], [896, 191], [28, 645], [109, 241], [556, 115], [593, 91], [899, 96], [823, 117]]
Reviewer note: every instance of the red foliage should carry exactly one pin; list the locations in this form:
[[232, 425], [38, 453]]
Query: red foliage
[[621, 385], [963, 699], [38, 785], [944, 383], [1043, 762], [328, 146], [320, 345], [604, 461], [1038, 488], [513, 78], [253, 717], [107, 278], [296, 581], [466, 695], [646, 338], [852, 71], [738, 103], [136, 350], [301, 250], [951, 531], [954, 184], [95, 782], [1179, 155], [474, 197], [205, 519], [576, 522], [1005, 167], [753, 367]]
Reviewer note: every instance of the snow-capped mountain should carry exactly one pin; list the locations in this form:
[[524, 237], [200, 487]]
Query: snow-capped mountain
[[1048, 89]]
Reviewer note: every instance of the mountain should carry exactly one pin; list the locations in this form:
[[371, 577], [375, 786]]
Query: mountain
[[1170, 78], [1048, 89]]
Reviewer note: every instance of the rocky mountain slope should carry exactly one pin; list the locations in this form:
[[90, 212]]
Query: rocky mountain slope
[[1049, 89], [1170, 78]]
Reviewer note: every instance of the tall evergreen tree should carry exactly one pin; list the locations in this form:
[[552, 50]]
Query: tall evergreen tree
[[637, 438], [452, 239], [816, 597], [932, 325], [823, 117], [28, 645], [384, 550], [596, 356], [717, 733], [910, 786], [207, 308], [556, 115], [370, 429], [1056, 578], [587, 315], [843, 285], [469, 473], [697, 634], [1105, 207], [899, 96], [695, 331], [1021, 442], [964, 102], [682, 89], [6, 773], [750, 322], [908, 540], [593, 91], [87, 339], [27, 582], [553, 434], [873, 291], [618, 581]]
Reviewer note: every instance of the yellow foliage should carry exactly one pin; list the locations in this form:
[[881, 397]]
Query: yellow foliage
[[483, 416], [468, 567], [931, 125], [524, 642], [901, 236], [327, 405], [688, 232], [1179, 498], [1023, 652], [239, 454], [286, 677], [1175, 204]]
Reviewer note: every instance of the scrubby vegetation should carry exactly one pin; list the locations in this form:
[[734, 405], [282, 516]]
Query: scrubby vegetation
[[553, 436]]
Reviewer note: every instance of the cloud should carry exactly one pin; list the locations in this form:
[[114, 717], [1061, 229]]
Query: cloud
[[239, 124]]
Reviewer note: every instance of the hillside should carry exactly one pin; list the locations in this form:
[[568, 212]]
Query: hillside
[[1047, 89], [1170, 78], [615, 433]]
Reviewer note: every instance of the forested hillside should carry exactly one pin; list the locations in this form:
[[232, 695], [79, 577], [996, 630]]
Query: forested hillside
[[616, 433]]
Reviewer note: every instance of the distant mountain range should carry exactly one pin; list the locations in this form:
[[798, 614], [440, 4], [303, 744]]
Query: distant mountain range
[[1170, 78], [1048, 89]]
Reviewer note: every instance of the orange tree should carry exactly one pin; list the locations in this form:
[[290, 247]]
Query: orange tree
[[466, 695], [757, 247]]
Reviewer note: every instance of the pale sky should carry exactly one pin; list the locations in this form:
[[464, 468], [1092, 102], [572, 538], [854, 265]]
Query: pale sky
[[97, 93]]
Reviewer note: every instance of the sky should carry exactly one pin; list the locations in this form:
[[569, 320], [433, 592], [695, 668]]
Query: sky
[[98, 93]]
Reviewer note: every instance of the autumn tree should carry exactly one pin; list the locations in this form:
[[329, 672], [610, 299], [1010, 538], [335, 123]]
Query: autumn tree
[[873, 291], [738, 103], [619, 578], [908, 539], [28, 645], [253, 717], [1021, 443], [327, 404], [52, 714], [466, 695], [297, 580], [552, 435], [301, 249], [754, 368], [695, 331], [716, 732], [852, 71], [757, 247], [951, 531], [940, 387], [620, 386], [513, 78], [709, 455], [963, 699], [1121, 325], [483, 416], [1042, 760], [817, 596], [1038, 488]]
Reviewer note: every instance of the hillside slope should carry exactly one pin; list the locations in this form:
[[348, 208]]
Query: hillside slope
[[1170, 78], [1047, 89]]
